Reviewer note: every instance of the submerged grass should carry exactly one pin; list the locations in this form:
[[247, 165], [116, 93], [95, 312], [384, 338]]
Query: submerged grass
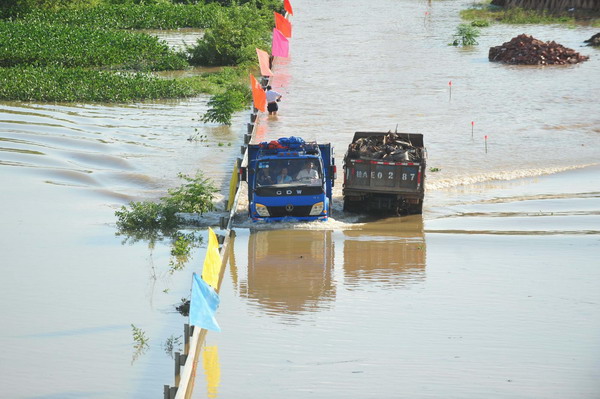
[[80, 84]]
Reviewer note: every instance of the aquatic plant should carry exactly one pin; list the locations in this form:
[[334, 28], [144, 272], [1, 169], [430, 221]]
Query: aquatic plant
[[140, 342], [79, 84], [139, 337], [161, 15], [480, 23], [44, 44], [465, 35]]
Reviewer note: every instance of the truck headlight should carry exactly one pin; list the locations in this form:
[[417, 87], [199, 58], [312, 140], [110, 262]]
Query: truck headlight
[[316, 209], [262, 210]]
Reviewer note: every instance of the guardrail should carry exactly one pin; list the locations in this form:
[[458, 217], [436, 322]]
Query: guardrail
[[186, 363]]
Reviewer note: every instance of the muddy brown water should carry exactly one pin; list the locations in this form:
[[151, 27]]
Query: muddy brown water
[[491, 293]]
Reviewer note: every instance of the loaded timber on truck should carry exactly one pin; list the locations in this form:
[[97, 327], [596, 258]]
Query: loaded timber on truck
[[385, 172]]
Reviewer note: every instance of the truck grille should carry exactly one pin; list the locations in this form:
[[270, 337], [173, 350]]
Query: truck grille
[[281, 211]]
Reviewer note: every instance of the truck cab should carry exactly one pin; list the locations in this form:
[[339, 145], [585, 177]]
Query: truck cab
[[289, 179]]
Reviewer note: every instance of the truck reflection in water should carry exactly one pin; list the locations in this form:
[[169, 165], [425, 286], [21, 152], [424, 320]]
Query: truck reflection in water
[[290, 271], [388, 254]]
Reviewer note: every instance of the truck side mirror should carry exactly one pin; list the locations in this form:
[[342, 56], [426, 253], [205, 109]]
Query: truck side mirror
[[243, 173]]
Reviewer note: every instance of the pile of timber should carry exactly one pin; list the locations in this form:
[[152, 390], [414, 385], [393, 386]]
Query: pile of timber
[[526, 50], [389, 147], [594, 40]]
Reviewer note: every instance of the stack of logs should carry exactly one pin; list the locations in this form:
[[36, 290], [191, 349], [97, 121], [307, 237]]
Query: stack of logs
[[526, 50], [388, 147]]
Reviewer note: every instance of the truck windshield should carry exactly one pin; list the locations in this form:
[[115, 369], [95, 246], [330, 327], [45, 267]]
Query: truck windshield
[[298, 171]]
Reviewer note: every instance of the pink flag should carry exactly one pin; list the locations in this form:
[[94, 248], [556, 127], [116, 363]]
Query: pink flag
[[281, 45], [263, 61]]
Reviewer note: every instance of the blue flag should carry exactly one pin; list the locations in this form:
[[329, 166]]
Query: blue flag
[[203, 305]]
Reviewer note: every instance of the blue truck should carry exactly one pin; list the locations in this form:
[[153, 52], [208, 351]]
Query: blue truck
[[289, 179]]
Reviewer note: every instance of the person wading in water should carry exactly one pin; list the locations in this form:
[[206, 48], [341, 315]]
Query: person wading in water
[[272, 98]]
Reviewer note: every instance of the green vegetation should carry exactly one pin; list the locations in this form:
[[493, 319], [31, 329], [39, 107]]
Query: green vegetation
[[223, 105], [162, 15], [193, 197], [84, 50], [434, 169], [156, 221], [480, 23], [181, 250], [57, 84], [152, 218], [140, 342], [466, 35], [139, 337], [183, 245], [487, 12], [42, 44], [233, 38]]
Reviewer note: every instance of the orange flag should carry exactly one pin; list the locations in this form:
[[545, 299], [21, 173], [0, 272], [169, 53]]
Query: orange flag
[[263, 61], [283, 25], [259, 97], [288, 7]]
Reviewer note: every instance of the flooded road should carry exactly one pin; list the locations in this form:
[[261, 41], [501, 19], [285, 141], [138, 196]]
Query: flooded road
[[492, 293]]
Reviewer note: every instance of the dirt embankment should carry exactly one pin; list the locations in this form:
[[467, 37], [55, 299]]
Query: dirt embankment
[[526, 50]]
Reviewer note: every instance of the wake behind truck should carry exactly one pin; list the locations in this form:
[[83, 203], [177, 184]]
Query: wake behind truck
[[385, 172], [289, 179]]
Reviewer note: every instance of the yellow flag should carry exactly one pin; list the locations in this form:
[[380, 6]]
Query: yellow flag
[[212, 261], [233, 185], [210, 360]]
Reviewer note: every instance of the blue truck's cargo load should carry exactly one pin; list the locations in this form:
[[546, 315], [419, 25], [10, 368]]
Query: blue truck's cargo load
[[289, 179], [385, 172]]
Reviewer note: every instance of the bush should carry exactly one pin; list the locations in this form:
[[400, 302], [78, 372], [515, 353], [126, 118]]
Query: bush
[[222, 106], [233, 38], [195, 196], [144, 217], [147, 218]]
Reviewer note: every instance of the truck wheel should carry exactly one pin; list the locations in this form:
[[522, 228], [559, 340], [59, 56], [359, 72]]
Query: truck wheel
[[416, 209], [347, 206]]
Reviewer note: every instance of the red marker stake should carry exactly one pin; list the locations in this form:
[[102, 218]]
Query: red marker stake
[[450, 86], [472, 125], [486, 143]]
